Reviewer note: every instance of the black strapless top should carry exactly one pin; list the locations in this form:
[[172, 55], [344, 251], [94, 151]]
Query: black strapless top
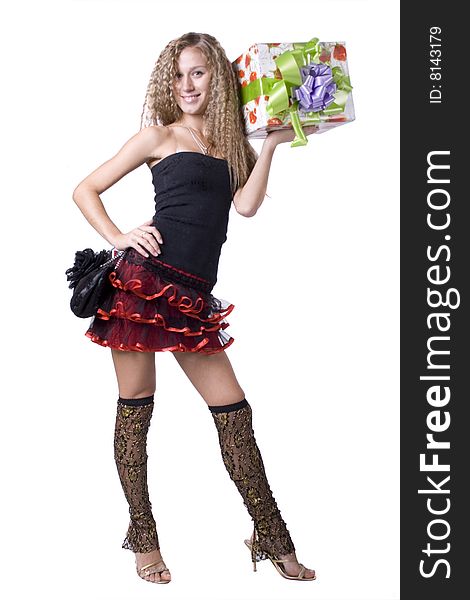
[[192, 204]]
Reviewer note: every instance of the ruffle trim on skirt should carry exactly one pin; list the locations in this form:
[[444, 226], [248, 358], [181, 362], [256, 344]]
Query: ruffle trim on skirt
[[148, 311]]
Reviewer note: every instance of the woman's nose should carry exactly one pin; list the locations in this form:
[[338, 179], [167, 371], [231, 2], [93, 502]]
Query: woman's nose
[[187, 83]]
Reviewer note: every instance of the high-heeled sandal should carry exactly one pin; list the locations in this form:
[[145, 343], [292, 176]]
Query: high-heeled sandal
[[277, 562], [145, 570]]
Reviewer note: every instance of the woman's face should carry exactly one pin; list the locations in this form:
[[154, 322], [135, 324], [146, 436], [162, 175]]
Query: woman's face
[[192, 82]]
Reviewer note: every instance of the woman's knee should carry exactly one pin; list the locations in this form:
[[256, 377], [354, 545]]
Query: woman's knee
[[212, 376], [135, 372]]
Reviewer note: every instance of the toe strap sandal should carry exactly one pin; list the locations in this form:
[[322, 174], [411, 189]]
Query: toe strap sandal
[[155, 567]]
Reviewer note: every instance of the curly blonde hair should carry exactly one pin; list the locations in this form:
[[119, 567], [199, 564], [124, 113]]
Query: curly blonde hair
[[223, 119]]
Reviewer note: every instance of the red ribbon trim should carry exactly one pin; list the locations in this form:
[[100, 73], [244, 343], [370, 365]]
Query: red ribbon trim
[[138, 347], [118, 311], [184, 303]]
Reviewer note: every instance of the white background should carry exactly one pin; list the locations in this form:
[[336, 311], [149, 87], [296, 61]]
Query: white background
[[314, 278]]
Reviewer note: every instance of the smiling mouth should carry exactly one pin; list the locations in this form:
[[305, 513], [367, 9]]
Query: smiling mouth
[[190, 97]]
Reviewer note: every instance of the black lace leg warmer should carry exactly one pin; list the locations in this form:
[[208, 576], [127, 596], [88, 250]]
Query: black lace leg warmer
[[244, 464], [130, 453]]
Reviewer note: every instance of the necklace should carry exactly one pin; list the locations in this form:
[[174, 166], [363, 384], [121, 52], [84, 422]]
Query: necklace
[[198, 141]]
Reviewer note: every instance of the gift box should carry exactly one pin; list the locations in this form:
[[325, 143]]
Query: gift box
[[294, 85]]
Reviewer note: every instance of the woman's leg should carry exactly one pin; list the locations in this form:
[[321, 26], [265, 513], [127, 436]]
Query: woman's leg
[[213, 377], [135, 373]]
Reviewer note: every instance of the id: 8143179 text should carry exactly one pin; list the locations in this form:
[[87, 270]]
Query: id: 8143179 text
[[435, 58]]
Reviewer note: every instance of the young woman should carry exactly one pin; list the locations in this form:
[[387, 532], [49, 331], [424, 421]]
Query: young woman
[[192, 139]]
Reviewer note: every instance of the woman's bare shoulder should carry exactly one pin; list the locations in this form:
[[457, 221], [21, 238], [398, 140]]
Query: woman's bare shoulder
[[154, 134], [152, 142]]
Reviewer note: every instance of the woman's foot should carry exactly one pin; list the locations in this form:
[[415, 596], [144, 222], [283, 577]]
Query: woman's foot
[[292, 566], [157, 573]]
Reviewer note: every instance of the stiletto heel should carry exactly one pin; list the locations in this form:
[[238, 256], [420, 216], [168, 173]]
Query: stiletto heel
[[252, 548]]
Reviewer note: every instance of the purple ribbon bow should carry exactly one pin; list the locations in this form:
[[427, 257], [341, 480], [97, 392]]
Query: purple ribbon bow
[[317, 89]]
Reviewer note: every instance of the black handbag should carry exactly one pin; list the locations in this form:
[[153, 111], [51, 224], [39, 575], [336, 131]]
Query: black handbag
[[89, 279]]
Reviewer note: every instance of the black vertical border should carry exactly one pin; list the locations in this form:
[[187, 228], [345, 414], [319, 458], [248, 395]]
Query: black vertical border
[[424, 128]]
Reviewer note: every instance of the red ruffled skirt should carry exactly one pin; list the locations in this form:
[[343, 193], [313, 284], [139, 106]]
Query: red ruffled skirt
[[154, 307]]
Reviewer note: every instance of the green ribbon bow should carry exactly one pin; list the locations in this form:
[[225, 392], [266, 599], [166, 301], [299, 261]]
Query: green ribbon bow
[[289, 64], [279, 91]]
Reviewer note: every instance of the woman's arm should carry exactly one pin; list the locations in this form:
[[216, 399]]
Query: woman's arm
[[143, 146], [249, 198]]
